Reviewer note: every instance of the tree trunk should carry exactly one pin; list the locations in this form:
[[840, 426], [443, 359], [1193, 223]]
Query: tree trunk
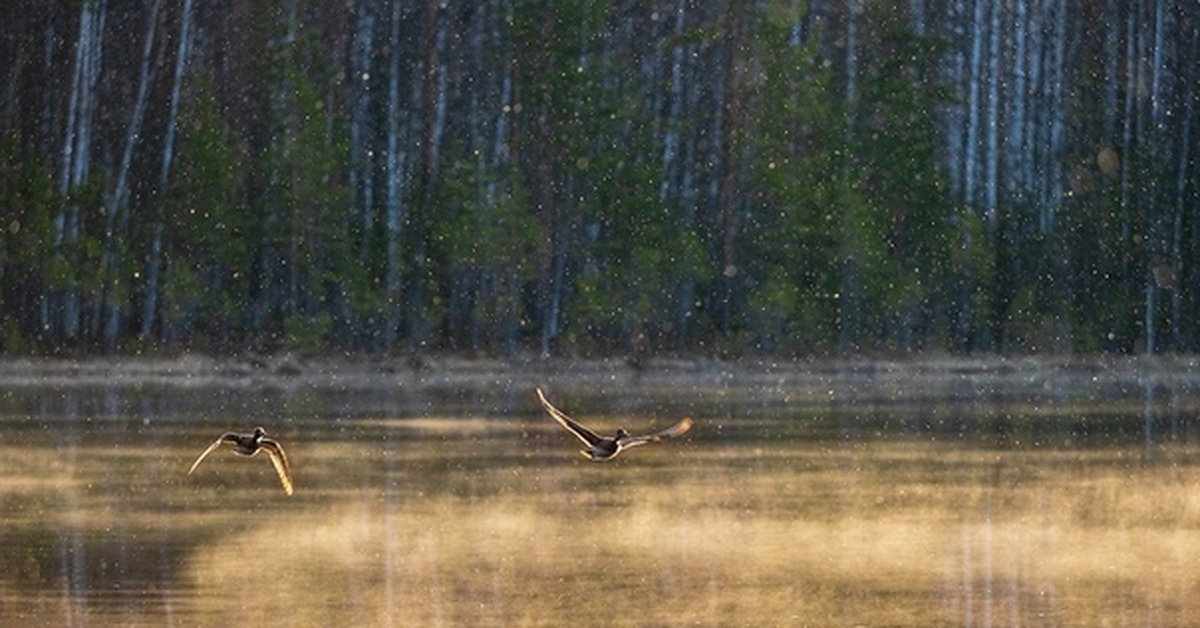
[[730, 154], [1016, 149], [992, 150], [850, 287], [361, 156], [432, 82], [953, 120], [1057, 112], [395, 213], [974, 79], [1112, 61], [155, 261], [75, 164], [1184, 171], [117, 207]]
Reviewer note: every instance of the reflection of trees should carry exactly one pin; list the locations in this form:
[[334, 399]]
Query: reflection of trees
[[1161, 418]]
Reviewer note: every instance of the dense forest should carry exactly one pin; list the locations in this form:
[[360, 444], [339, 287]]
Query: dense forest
[[577, 177]]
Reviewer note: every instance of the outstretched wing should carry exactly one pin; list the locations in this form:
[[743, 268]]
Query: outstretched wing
[[584, 434], [671, 432], [214, 445], [675, 430], [279, 461]]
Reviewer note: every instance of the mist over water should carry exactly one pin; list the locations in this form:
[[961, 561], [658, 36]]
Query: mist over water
[[851, 495]]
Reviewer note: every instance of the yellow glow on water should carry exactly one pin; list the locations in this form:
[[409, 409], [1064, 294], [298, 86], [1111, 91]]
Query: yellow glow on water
[[502, 523], [670, 545]]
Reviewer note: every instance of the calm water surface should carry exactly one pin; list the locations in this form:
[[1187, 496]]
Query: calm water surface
[[1029, 504]]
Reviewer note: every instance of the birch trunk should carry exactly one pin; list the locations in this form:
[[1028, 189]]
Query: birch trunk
[[1127, 123], [432, 91], [395, 165], [155, 261], [75, 164], [992, 152], [1030, 144], [974, 78], [118, 210], [1184, 171], [1057, 111], [1016, 150], [1112, 61], [676, 170], [361, 156], [670, 141], [916, 17], [953, 121]]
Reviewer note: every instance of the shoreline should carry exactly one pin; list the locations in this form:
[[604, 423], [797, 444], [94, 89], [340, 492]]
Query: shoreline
[[288, 371]]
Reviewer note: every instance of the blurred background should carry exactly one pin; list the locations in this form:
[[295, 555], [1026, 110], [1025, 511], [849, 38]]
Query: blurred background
[[574, 177], [891, 256]]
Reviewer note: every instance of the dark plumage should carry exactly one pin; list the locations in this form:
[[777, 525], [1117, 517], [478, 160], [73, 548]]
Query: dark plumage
[[249, 444], [600, 448]]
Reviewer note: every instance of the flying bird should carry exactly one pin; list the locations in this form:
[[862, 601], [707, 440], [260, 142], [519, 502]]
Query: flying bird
[[601, 448], [249, 444]]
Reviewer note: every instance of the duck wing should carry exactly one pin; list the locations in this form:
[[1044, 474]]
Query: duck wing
[[227, 436], [671, 432], [279, 461], [675, 430], [581, 431]]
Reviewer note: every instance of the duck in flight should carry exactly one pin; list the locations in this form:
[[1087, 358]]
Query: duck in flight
[[600, 448], [249, 444]]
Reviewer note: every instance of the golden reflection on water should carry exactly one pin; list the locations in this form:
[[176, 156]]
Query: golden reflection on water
[[499, 522]]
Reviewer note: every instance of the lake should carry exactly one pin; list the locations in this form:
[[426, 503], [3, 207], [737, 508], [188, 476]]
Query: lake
[[858, 493]]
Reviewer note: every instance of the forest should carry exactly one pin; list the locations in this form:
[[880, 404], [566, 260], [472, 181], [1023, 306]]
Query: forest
[[574, 177]]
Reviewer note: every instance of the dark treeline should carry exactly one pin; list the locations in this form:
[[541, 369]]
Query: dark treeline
[[571, 176]]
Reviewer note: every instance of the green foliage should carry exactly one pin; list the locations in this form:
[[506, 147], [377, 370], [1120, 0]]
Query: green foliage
[[29, 200], [12, 341], [965, 293], [307, 334], [206, 219], [626, 256], [634, 248], [481, 229], [302, 208], [184, 295], [843, 229], [592, 136], [75, 262], [551, 37], [801, 194], [482, 237], [903, 234], [853, 225]]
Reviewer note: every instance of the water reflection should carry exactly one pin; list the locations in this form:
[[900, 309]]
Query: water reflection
[[835, 503]]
